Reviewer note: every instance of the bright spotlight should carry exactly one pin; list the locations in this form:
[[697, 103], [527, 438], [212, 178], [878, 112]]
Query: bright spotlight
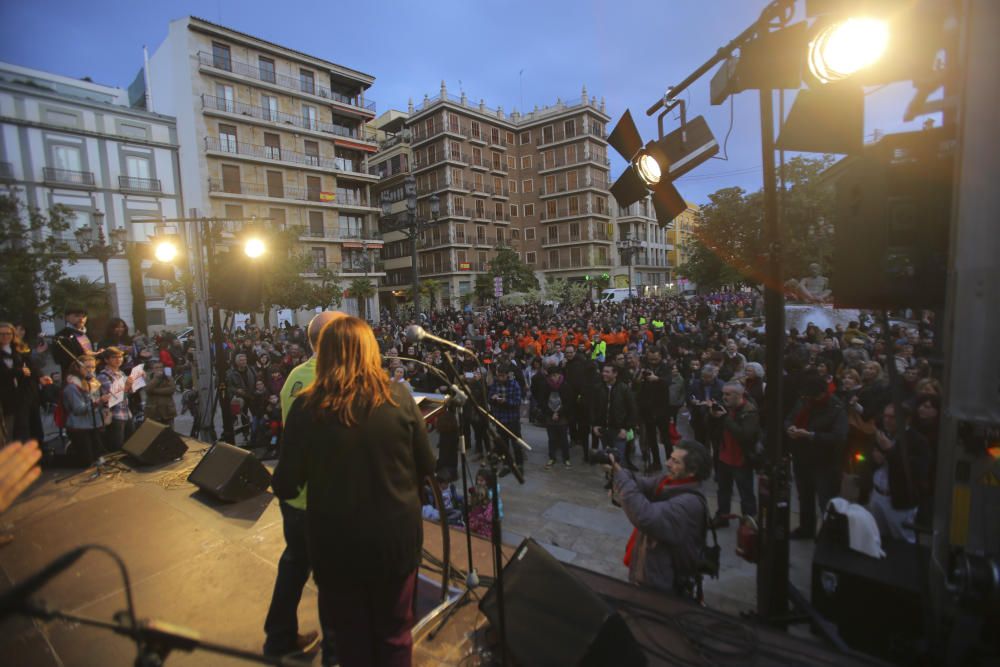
[[165, 251], [254, 248], [648, 169], [846, 47]]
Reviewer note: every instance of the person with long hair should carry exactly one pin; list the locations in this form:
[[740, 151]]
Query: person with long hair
[[83, 404], [360, 443]]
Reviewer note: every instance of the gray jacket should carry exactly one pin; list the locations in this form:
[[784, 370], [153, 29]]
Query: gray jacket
[[83, 409], [671, 529]]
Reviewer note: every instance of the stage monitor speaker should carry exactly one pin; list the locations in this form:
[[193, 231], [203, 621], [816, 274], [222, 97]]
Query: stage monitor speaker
[[553, 619], [230, 474], [892, 216], [154, 443]]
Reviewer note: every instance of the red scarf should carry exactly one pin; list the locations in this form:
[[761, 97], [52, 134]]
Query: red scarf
[[635, 531]]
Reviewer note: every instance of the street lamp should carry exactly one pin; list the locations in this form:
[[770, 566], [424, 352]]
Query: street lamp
[[628, 247], [93, 242], [412, 226]]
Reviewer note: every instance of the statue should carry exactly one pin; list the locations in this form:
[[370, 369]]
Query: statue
[[814, 288]]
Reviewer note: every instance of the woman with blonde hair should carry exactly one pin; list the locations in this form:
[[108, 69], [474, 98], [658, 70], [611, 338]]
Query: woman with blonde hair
[[83, 405], [360, 443]]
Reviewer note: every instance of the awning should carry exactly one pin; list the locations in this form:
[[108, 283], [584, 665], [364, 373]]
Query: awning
[[356, 146]]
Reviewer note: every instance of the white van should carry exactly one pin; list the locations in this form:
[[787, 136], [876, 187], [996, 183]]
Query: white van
[[615, 295]]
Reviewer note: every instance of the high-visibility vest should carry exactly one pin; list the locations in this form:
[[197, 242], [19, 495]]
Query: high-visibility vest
[[600, 350]]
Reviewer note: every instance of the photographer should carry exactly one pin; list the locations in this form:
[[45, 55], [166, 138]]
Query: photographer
[[652, 390], [740, 434], [613, 413], [670, 519]]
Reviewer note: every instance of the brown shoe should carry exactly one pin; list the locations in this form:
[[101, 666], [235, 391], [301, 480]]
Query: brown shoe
[[308, 643]]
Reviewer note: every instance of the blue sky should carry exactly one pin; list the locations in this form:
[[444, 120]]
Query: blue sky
[[627, 51]]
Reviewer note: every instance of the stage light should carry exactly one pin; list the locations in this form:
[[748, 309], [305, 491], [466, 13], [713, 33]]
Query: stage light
[[844, 48], [254, 248], [165, 251], [648, 169]]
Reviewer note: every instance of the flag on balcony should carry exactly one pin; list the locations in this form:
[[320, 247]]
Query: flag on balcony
[[464, 266], [327, 196]]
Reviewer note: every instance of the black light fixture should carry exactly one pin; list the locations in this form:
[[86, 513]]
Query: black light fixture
[[654, 166]]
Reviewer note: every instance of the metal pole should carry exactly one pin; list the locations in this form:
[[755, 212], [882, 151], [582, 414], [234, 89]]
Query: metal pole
[[194, 236], [413, 254], [107, 281], [772, 569]]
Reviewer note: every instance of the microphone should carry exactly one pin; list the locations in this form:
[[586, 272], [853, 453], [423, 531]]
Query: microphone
[[13, 599], [416, 333], [456, 396]]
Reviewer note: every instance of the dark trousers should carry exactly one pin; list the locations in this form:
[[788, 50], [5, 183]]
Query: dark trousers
[[114, 435], [814, 482], [651, 428], [85, 445], [506, 441], [371, 617], [282, 622], [743, 476], [558, 441], [475, 434]]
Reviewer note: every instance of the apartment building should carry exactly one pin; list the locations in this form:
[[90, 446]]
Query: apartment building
[[79, 144], [681, 235], [392, 165], [534, 182], [269, 132], [651, 268]]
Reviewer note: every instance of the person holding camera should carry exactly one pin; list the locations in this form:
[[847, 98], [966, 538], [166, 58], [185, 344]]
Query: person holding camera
[[670, 520], [740, 423], [613, 412]]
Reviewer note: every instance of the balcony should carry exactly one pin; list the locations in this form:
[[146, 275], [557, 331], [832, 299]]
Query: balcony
[[565, 212], [386, 170], [291, 83], [479, 162], [394, 140], [439, 158], [445, 266], [561, 163], [422, 133], [347, 268], [498, 142], [213, 103], [282, 191], [6, 172], [136, 184], [442, 240], [591, 181], [278, 154], [68, 177]]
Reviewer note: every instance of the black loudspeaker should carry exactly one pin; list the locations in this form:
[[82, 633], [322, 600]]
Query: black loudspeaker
[[154, 443], [230, 474], [553, 619], [892, 217], [236, 283]]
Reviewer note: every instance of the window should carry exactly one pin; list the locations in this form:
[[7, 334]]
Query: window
[[571, 154], [601, 205], [572, 180], [477, 180], [495, 136], [480, 234], [270, 104], [525, 138], [547, 135], [227, 138], [136, 166], [526, 162], [529, 210], [498, 186], [550, 184], [459, 206], [456, 177], [220, 57], [512, 186], [497, 162], [275, 184], [455, 150], [569, 128], [313, 187], [311, 149], [307, 82], [529, 233], [529, 258], [477, 155], [553, 259], [575, 257], [309, 116], [453, 122], [272, 145], [528, 185], [277, 216], [550, 158], [156, 316], [316, 224], [500, 236], [230, 178], [574, 231], [550, 209], [553, 234], [480, 208], [498, 211], [476, 130], [515, 233], [266, 66], [460, 237], [318, 258], [351, 226], [574, 205], [513, 210], [511, 162], [224, 99], [509, 137]]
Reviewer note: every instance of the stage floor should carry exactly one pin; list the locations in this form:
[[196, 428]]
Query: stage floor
[[210, 567]]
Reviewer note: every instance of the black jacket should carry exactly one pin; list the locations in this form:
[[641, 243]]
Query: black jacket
[[652, 397], [13, 384], [829, 423], [363, 502], [616, 411], [65, 347]]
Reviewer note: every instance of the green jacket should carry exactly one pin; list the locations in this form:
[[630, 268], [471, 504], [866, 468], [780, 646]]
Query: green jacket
[[300, 378]]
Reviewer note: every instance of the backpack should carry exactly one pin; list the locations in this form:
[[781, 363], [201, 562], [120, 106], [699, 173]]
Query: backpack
[[708, 559]]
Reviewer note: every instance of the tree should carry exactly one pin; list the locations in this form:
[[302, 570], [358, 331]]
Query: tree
[[483, 287], [431, 289], [82, 292], [564, 291], [362, 290], [517, 276], [729, 245], [32, 256]]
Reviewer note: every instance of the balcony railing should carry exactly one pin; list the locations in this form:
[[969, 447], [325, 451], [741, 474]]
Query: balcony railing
[[67, 176], [279, 117], [339, 233], [386, 170], [588, 182], [587, 158], [565, 212], [6, 171], [445, 266], [348, 267], [283, 191], [421, 132], [136, 184], [281, 155], [440, 157], [292, 83]]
